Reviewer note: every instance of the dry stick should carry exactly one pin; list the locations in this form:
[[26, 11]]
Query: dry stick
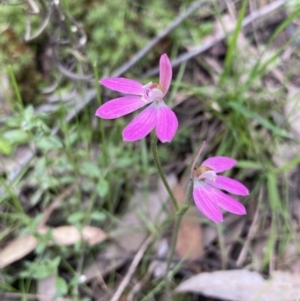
[[138, 286], [67, 73], [19, 296], [160, 36], [231, 9], [34, 8], [48, 210], [91, 94], [132, 268], [250, 236], [197, 50], [252, 7], [29, 37]]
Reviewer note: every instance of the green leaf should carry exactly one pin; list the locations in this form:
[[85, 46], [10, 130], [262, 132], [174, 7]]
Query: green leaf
[[273, 193], [124, 162], [5, 147], [262, 121], [61, 287], [288, 165], [41, 269], [76, 217], [49, 143], [249, 164], [73, 137], [233, 40], [90, 169], [28, 113], [98, 216], [102, 188], [6, 287], [40, 167], [16, 136]]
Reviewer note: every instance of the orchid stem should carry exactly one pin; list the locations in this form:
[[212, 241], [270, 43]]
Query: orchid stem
[[180, 211], [179, 215], [160, 170]]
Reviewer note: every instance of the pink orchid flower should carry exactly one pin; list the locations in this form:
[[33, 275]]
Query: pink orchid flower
[[207, 196], [157, 114]]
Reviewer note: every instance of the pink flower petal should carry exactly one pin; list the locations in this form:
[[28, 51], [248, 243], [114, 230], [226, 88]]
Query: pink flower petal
[[165, 73], [167, 123], [206, 202], [229, 185], [225, 201], [123, 85], [219, 164], [141, 125], [119, 107]]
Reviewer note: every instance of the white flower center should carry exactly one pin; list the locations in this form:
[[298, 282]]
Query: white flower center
[[152, 92], [209, 174]]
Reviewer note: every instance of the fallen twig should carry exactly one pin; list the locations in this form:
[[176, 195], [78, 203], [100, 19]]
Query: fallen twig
[[132, 268], [19, 296], [251, 234], [220, 37], [54, 204], [159, 37]]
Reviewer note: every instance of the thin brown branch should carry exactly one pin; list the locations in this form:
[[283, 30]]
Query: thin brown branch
[[132, 268], [140, 54], [251, 234], [54, 204], [19, 296], [28, 36]]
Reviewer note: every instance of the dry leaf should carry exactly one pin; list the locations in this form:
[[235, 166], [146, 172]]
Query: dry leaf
[[131, 230], [64, 236], [243, 285], [69, 235], [17, 249], [47, 289]]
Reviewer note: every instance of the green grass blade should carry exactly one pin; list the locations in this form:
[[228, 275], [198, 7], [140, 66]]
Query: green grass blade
[[262, 121], [288, 165], [256, 70], [273, 193], [16, 87], [233, 41]]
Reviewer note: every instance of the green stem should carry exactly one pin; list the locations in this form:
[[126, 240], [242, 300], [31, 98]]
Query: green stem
[[222, 246], [102, 132], [160, 170], [15, 201], [179, 215], [170, 275], [16, 87], [162, 283]]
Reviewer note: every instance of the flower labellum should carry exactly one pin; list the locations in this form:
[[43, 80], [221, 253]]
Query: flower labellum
[[157, 115], [207, 196]]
